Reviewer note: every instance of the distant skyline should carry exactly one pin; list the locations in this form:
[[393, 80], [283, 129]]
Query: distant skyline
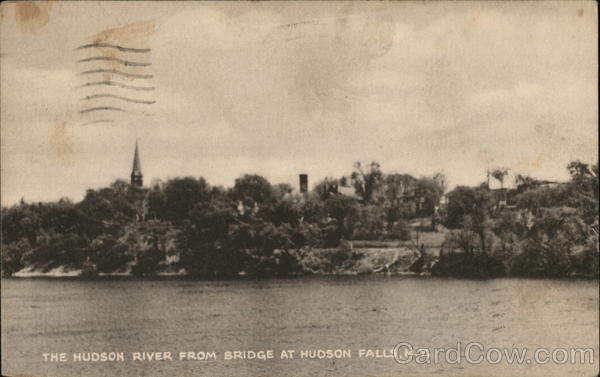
[[279, 89]]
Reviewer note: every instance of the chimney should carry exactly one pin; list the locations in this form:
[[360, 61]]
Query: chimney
[[303, 183]]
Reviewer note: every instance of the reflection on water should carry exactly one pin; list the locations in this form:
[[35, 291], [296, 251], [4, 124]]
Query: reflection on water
[[351, 313]]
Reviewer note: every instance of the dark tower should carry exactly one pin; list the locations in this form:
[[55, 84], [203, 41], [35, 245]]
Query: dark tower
[[303, 183], [137, 179]]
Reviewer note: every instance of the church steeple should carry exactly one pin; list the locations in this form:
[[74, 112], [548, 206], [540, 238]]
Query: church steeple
[[137, 179]]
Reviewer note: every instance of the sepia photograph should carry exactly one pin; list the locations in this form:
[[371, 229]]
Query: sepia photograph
[[299, 188]]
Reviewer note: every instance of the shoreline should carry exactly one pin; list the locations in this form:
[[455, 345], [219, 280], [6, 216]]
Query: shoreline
[[63, 272], [78, 275]]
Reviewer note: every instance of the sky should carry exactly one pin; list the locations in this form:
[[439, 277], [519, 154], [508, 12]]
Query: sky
[[279, 89]]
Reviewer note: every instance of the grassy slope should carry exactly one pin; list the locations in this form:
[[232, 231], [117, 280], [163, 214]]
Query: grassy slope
[[363, 257]]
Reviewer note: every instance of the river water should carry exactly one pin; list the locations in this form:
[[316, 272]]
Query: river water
[[310, 313]]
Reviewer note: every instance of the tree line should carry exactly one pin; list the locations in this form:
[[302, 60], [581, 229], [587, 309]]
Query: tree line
[[544, 230], [258, 228]]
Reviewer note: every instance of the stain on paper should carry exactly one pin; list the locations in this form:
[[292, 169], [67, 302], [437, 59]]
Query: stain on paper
[[61, 142], [32, 15]]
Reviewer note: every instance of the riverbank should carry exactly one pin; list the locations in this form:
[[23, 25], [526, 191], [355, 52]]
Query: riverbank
[[438, 253], [330, 261]]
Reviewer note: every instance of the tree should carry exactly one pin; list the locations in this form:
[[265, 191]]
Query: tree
[[62, 217], [312, 209], [326, 188], [113, 204], [524, 183], [108, 255], [253, 189], [370, 223], [542, 197], [286, 210], [344, 211], [68, 249], [182, 195], [551, 246], [157, 202], [12, 256], [464, 201], [21, 221], [580, 169], [367, 182], [282, 189], [463, 255], [149, 242], [440, 179], [583, 189], [399, 193], [499, 174], [429, 191], [471, 208], [205, 241], [588, 261]]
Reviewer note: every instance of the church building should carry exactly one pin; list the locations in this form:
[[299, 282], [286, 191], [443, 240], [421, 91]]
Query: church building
[[137, 179]]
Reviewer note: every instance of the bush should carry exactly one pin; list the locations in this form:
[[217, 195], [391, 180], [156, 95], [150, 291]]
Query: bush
[[12, 256], [60, 250], [400, 231], [115, 258], [148, 260], [369, 223], [550, 248], [587, 262], [543, 258]]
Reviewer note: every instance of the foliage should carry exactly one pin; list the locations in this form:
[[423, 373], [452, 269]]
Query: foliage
[[551, 244], [399, 197], [464, 201], [109, 255], [253, 189], [180, 196], [429, 191], [149, 242], [539, 198], [370, 224], [524, 182], [499, 174], [326, 188], [342, 214], [367, 181], [204, 241], [257, 228], [400, 230], [12, 256]]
